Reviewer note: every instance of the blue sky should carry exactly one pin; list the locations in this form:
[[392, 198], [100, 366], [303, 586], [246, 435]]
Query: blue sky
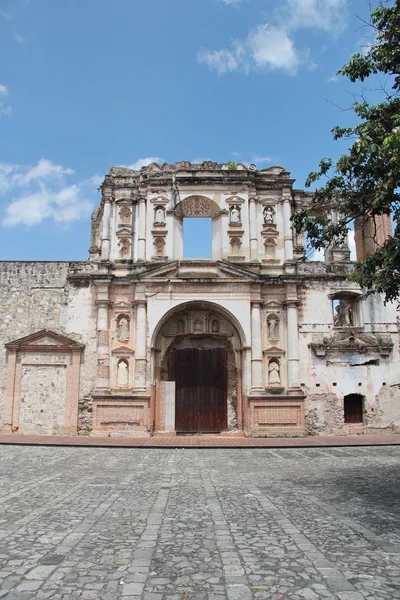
[[89, 84]]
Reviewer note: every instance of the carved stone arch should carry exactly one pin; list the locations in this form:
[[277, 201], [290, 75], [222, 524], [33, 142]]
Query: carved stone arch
[[210, 306], [197, 207], [204, 321]]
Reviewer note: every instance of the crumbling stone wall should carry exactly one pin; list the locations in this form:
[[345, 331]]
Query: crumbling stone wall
[[42, 295]]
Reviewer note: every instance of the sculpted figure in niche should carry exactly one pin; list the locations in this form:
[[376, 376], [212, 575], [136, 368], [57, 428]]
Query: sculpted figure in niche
[[274, 377], [125, 215], [215, 326], [159, 215], [125, 248], [343, 314], [234, 214], [273, 328], [122, 373], [198, 326], [269, 215], [123, 329]]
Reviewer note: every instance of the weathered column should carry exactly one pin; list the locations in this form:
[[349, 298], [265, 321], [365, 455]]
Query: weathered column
[[256, 347], [105, 234], [253, 228], [103, 351], [141, 345], [141, 228], [287, 229], [293, 354]]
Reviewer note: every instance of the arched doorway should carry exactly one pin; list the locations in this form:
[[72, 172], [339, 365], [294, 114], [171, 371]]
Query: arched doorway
[[197, 360]]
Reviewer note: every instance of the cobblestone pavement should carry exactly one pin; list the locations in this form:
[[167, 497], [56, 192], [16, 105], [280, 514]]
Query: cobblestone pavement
[[199, 524]]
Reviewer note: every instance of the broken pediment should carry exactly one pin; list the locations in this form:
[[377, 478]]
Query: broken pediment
[[352, 341], [45, 340], [198, 269]]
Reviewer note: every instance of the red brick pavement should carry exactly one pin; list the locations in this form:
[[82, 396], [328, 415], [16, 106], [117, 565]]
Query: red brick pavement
[[195, 441]]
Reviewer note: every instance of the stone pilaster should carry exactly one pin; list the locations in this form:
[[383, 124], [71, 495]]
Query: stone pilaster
[[141, 228], [256, 348], [106, 228], [293, 353], [287, 228], [253, 227], [103, 337], [141, 345]]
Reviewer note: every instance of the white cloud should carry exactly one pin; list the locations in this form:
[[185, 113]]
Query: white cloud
[[64, 206], [5, 109], [144, 162], [45, 194], [267, 47], [327, 15], [270, 46], [20, 39], [261, 159]]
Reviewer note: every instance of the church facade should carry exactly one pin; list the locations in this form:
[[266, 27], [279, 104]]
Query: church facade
[[139, 341]]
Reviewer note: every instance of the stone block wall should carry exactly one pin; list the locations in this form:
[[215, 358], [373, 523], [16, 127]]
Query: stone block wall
[[36, 296]]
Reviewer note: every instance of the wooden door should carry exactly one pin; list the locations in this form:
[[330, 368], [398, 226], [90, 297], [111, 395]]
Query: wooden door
[[201, 390]]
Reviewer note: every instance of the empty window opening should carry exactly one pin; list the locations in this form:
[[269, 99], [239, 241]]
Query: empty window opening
[[353, 408], [197, 240]]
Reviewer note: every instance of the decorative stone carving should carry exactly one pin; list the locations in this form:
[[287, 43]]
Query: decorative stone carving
[[125, 215], [352, 342], [180, 326], [196, 206], [122, 373], [274, 376], [125, 248], [234, 214], [159, 245], [123, 328]]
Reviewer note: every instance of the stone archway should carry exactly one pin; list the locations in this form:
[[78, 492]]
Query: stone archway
[[201, 335]]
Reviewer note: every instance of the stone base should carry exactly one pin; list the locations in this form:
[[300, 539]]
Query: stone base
[[276, 416]]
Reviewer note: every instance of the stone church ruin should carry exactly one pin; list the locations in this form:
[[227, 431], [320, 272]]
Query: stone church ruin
[[254, 341]]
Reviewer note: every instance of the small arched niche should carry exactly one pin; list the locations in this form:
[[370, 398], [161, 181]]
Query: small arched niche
[[123, 372]]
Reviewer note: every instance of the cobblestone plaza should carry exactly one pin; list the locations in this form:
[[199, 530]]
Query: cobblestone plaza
[[199, 524]]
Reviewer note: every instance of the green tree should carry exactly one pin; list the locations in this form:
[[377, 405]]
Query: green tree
[[365, 181]]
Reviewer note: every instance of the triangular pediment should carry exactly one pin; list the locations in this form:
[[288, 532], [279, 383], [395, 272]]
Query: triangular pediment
[[45, 338], [122, 350], [198, 270], [124, 231], [272, 305]]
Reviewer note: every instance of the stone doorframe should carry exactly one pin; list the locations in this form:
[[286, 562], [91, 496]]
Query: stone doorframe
[[162, 413], [49, 342]]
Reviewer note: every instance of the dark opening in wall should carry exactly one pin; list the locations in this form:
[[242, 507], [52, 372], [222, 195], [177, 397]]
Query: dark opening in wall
[[353, 408]]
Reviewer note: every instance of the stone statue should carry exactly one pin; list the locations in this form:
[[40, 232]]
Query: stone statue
[[269, 215], [274, 377], [122, 373], [343, 316], [273, 328], [234, 214], [159, 216], [123, 329]]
